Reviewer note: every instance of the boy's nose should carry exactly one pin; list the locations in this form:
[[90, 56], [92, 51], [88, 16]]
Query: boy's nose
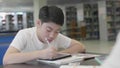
[[52, 34]]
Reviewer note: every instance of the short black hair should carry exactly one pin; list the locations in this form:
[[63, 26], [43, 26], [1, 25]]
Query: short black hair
[[51, 14]]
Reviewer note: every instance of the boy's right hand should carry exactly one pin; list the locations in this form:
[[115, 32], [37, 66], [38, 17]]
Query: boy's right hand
[[49, 53]]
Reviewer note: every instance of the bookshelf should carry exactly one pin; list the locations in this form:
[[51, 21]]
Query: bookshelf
[[71, 22], [91, 20], [9, 25], [30, 22], [20, 21], [102, 19], [113, 18]]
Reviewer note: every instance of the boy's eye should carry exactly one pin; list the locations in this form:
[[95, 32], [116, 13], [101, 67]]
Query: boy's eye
[[51, 30], [48, 30]]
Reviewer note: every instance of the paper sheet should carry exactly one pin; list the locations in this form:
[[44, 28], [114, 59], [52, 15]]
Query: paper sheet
[[80, 66]]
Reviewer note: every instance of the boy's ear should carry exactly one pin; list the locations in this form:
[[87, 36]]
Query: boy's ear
[[38, 22]]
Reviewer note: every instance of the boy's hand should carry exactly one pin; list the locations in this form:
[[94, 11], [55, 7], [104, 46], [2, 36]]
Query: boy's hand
[[49, 53]]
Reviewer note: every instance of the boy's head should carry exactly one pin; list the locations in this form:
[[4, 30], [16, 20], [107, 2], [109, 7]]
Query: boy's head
[[51, 14], [51, 19]]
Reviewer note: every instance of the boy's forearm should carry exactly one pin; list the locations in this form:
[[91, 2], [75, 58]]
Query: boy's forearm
[[20, 57], [74, 49]]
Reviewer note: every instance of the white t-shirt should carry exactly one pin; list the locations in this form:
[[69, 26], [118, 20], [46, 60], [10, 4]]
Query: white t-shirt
[[113, 61], [26, 40]]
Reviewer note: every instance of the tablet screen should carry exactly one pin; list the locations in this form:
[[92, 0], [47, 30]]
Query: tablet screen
[[58, 56]]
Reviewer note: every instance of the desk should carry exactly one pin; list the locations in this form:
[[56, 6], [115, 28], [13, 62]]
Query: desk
[[43, 65], [40, 65]]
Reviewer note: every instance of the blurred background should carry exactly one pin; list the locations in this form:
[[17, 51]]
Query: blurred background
[[93, 22]]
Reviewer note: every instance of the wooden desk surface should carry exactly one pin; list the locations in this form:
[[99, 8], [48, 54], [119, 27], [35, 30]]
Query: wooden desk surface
[[44, 65], [40, 65]]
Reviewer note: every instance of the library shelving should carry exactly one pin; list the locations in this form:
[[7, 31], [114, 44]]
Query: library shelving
[[30, 22], [9, 22], [91, 20], [71, 22], [20, 21], [113, 19]]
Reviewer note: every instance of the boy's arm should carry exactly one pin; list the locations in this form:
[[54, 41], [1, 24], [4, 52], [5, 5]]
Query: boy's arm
[[75, 47], [13, 55]]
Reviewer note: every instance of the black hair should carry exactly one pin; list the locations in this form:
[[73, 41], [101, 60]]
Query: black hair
[[51, 14]]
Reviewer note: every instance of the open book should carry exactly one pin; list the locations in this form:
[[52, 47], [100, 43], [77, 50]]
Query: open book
[[68, 58], [79, 66], [86, 56]]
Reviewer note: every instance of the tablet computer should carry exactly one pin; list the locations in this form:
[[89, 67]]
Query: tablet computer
[[58, 56]]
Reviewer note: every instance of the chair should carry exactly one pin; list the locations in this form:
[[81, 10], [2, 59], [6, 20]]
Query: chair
[[3, 49], [6, 39], [4, 44]]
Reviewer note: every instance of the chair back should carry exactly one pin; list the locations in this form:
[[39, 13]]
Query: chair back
[[3, 49]]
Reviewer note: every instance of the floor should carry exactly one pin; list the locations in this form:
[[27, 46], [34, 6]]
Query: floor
[[97, 46]]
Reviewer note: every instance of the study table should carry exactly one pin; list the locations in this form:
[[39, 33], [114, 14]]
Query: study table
[[44, 65]]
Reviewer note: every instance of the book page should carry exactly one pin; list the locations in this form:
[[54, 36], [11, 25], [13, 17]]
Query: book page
[[86, 56], [80, 66]]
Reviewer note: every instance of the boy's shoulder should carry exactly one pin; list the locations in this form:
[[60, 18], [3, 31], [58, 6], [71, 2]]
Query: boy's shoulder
[[28, 31]]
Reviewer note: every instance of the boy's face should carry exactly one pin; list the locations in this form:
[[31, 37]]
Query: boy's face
[[47, 30]]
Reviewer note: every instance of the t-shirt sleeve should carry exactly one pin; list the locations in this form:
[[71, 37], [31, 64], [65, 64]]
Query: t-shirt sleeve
[[63, 41], [19, 41]]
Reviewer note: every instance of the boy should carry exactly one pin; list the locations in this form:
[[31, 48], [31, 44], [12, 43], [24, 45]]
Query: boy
[[42, 41]]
